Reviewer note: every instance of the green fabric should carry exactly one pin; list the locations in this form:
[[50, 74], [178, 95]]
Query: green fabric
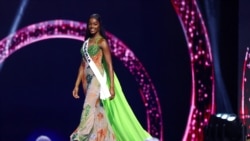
[[92, 50], [121, 117]]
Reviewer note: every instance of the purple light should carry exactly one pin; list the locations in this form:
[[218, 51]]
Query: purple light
[[75, 30], [43, 138], [44, 134], [202, 97]]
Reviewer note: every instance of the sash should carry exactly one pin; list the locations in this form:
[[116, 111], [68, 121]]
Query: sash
[[104, 91]]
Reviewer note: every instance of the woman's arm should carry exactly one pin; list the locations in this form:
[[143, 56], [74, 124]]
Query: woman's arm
[[78, 80], [107, 56]]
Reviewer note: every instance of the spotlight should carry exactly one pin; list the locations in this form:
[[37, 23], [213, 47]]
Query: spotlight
[[225, 127], [224, 116], [43, 138], [231, 118], [44, 134]]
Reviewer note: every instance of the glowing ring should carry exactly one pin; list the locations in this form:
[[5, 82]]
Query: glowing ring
[[245, 92], [75, 30], [202, 98]]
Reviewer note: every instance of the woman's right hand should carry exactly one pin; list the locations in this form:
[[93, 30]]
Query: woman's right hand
[[75, 93]]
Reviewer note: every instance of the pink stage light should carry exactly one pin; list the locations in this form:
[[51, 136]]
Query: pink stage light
[[245, 93], [202, 99]]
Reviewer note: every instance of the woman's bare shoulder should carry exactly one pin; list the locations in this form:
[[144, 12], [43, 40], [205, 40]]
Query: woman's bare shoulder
[[103, 43]]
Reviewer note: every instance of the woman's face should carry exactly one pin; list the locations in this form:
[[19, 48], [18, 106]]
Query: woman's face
[[94, 26]]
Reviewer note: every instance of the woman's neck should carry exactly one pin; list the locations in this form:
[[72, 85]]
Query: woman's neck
[[95, 36]]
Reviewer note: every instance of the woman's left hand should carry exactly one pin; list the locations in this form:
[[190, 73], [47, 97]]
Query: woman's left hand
[[112, 92]]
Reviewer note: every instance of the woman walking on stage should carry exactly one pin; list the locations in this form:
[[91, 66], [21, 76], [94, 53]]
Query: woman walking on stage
[[106, 114]]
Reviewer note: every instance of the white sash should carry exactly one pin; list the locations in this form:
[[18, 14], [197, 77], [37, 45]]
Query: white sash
[[104, 91]]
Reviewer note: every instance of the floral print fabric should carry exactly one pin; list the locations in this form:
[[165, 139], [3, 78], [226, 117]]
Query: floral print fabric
[[94, 125]]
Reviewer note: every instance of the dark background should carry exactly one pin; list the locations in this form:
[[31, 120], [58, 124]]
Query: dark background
[[228, 49], [244, 32], [244, 43], [36, 81]]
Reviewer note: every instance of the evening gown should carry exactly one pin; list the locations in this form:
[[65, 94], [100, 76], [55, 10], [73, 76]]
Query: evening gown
[[94, 125], [106, 120]]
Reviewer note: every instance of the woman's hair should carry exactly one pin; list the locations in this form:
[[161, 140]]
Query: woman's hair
[[102, 30]]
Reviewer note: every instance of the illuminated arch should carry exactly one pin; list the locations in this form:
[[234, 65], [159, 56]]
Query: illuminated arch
[[75, 30], [202, 97], [245, 92]]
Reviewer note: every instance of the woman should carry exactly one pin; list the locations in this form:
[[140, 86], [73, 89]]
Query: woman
[[106, 115]]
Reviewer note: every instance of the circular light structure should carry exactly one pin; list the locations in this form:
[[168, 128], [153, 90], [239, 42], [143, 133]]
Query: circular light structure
[[245, 92], [202, 98], [76, 30]]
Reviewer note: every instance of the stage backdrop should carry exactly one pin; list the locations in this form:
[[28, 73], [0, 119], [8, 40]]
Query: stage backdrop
[[36, 81]]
